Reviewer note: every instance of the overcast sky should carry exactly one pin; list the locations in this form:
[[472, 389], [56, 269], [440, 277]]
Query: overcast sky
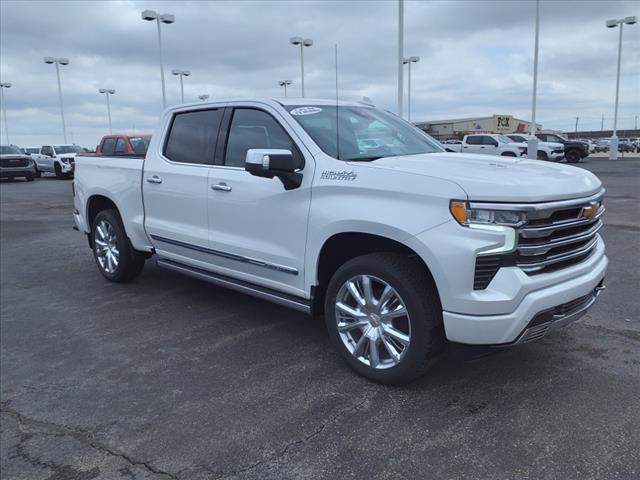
[[476, 59]]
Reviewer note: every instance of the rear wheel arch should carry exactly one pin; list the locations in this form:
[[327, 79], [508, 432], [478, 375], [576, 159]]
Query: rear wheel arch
[[342, 247], [95, 205]]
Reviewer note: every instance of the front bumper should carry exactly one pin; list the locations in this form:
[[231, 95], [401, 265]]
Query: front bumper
[[556, 157], [520, 325], [17, 171], [67, 167]]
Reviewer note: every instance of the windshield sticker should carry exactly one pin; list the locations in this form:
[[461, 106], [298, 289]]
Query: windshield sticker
[[305, 111]]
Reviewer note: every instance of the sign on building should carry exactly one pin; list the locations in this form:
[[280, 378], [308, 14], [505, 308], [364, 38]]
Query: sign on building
[[503, 123]]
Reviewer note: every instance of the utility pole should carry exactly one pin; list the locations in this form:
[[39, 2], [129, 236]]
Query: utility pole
[[400, 58]]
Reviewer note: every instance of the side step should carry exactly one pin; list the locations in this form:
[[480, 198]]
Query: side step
[[286, 300]]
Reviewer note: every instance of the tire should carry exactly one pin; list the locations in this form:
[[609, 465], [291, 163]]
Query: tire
[[508, 154], [108, 232], [422, 327], [38, 173], [29, 178], [572, 156], [542, 155], [58, 171]]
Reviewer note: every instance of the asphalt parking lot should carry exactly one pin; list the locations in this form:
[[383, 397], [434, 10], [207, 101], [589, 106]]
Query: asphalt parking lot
[[171, 378]]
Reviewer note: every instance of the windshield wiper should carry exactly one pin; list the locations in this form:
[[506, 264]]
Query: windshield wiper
[[361, 159]]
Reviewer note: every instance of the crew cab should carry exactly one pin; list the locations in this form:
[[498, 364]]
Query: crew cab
[[574, 150], [488, 144], [553, 152], [123, 145], [348, 211], [58, 159]]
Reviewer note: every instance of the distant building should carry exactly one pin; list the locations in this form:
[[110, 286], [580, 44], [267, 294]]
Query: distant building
[[456, 128]]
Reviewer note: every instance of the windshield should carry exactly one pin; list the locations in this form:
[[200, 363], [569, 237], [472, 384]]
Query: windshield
[[67, 149], [365, 133], [139, 144], [10, 150]]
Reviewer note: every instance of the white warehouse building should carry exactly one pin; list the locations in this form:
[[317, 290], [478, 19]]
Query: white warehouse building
[[456, 128]]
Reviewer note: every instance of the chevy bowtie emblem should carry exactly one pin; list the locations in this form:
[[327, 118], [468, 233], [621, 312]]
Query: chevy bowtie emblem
[[590, 211]]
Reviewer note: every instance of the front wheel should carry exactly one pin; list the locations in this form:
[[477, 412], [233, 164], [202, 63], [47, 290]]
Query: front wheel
[[29, 178], [58, 171], [38, 173], [116, 258], [383, 315], [508, 154], [572, 156], [543, 156]]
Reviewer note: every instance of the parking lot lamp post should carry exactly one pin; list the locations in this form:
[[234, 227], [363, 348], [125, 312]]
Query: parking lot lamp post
[[613, 146], [203, 97], [284, 83], [577, 118], [4, 109], [107, 92], [166, 18], [57, 62], [532, 143], [409, 61], [602, 123], [400, 55], [181, 74], [303, 42]]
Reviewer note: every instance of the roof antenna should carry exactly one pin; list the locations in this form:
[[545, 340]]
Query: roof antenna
[[337, 119]]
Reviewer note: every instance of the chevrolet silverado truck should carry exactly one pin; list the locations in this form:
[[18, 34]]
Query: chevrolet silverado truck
[[348, 211], [574, 150], [488, 144]]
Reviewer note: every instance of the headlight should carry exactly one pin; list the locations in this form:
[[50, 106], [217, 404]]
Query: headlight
[[466, 215]]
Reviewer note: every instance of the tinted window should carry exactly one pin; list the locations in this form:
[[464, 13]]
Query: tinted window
[[254, 129], [474, 140], [487, 140], [121, 146], [108, 146], [46, 150], [139, 144], [192, 138]]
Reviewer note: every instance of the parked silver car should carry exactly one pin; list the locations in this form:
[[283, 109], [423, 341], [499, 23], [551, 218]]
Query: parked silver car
[[14, 163]]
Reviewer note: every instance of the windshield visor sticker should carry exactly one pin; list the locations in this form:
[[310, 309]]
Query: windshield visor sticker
[[300, 111], [343, 175]]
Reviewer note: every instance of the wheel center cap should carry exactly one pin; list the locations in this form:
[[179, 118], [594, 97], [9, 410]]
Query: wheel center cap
[[375, 320]]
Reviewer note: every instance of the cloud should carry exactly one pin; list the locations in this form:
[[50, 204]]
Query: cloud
[[476, 59]]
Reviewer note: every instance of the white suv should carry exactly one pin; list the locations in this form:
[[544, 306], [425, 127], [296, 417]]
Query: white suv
[[551, 151]]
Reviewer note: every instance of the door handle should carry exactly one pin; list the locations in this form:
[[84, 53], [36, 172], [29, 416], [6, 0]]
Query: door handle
[[154, 179], [223, 187]]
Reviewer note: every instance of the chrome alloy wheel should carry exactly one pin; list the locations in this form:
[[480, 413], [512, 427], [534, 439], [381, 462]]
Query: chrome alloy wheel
[[106, 247], [373, 321]]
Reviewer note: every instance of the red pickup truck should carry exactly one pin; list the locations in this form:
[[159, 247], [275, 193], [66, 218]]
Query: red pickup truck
[[113, 145]]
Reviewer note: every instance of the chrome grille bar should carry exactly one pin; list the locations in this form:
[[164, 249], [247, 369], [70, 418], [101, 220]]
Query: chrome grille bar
[[543, 231], [542, 248], [532, 267]]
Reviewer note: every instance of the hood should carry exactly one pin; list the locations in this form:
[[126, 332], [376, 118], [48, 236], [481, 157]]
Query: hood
[[67, 155], [499, 179], [553, 145]]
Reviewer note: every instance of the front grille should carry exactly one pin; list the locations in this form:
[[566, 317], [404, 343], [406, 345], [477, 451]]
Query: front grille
[[558, 151], [557, 239], [14, 162]]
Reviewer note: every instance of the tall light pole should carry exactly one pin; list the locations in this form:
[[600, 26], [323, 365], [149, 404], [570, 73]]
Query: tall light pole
[[532, 143], [577, 118], [107, 92], [303, 42], [400, 54], [636, 127], [409, 61], [56, 62], [165, 18], [181, 74], [613, 146], [203, 97], [284, 83], [4, 109], [602, 123]]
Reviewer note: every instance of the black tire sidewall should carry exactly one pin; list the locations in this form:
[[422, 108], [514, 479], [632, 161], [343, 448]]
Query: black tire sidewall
[[423, 320], [508, 154], [572, 156]]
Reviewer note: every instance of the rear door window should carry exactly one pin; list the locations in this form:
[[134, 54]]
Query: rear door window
[[121, 146], [192, 137], [108, 146], [474, 140]]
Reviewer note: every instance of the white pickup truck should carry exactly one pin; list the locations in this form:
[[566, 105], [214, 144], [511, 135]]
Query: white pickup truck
[[350, 211], [488, 144], [550, 151], [58, 159]]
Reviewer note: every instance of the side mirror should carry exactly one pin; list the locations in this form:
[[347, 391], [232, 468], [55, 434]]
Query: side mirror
[[494, 143], [269, 163]]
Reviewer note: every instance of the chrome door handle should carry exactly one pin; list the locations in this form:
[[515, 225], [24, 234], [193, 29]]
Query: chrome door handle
[[223, 187], [154, 179]]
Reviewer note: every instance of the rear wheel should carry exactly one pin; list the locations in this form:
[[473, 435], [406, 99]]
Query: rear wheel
[[572, 156], [383, 315], [116, 258]]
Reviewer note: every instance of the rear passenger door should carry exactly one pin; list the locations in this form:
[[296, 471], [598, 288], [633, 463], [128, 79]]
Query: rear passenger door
[[174, 185], [472, 144], [489, 145], [258, 230]]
